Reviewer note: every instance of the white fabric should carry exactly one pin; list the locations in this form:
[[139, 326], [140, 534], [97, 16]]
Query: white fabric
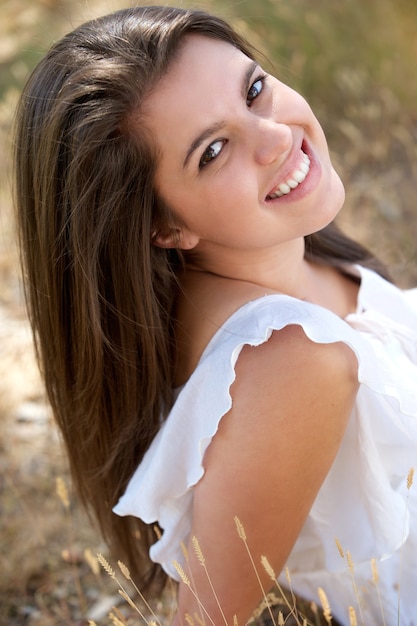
[[364, 501]]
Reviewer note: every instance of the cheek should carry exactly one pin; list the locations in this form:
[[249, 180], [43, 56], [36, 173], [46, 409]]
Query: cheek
[[239, 179], [212, 199], [339, 187], [171, 190]]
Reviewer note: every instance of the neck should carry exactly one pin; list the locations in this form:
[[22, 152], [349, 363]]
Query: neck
[[282, 269]]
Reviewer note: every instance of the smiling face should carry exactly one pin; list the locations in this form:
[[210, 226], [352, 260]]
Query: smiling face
[[244, 163]]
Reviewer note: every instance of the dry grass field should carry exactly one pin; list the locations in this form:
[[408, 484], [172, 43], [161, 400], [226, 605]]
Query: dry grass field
[[355, 62]]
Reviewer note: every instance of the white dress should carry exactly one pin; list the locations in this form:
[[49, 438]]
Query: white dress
[[365, 501]]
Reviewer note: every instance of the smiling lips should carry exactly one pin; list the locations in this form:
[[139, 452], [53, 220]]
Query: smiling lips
[[297, 177]]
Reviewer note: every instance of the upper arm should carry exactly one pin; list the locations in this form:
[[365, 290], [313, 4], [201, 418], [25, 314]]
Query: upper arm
[[291, 402]]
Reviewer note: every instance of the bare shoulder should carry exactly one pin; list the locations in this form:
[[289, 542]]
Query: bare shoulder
[[293, 378], [289, 352], [207, 301]]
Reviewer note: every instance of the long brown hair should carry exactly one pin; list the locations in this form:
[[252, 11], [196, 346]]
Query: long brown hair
[[99, 293]]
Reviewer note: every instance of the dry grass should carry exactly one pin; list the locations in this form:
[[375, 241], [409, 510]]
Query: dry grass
[[365, 96]]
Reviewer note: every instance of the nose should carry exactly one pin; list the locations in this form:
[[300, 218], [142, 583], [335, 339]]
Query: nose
[[272, 141]]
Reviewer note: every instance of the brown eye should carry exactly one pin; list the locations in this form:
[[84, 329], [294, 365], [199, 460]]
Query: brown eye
[[211, 152]]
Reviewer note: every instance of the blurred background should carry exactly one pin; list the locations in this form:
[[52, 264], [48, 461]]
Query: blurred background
[[355, 62]]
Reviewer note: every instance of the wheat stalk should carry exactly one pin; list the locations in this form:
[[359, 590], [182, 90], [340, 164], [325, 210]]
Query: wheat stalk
[[339, 547], [294, 601], [126, 573], [268, 568], [106, 566], [119, 614], [62, 492], [125, 570], [354, 585], [185, 552], [327, 614], [410, 479], [128, 599], [271, 573], [116, 621], [240, 528], [242, 535], [182, 574], [122, 591], [352, 617], [201, 558], [375, 580], [92, 562], [198, 551], [180, 570]]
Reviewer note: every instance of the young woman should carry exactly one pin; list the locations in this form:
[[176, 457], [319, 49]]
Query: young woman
[[213, 348]]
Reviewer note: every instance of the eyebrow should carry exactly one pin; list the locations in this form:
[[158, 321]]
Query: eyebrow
[[208, 132]]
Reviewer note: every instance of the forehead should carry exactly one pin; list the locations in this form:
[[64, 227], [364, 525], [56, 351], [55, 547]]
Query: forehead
[[198, 57], [199, 87]]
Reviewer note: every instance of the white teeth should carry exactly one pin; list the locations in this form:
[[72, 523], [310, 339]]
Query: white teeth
[[297, 177], [284, 188], [293, 183]]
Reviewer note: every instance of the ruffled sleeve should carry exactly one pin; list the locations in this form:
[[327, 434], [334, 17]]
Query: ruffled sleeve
[[161, 488]]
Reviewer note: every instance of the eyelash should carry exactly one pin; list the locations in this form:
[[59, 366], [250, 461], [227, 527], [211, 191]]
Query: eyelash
[[249, 100], [261, 79]]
